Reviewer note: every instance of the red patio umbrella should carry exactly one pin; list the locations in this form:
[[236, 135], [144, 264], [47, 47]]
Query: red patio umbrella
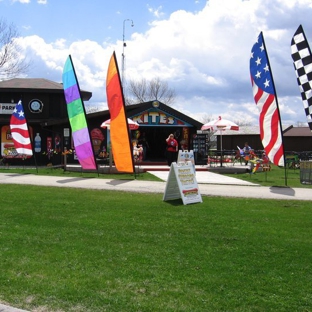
[[221, 125]]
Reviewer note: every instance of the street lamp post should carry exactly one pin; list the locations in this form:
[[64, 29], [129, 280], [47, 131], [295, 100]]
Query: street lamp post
[[123, 49]]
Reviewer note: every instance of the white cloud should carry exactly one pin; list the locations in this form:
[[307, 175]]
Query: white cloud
[[21, 1], [156, 12], [204, 56]]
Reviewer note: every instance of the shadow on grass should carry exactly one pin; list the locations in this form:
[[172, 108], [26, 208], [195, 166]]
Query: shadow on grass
[[19, 174], [175, 202]]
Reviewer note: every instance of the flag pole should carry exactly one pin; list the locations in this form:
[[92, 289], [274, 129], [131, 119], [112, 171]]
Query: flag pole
[[33, 149], [278, 111], [30, 137]]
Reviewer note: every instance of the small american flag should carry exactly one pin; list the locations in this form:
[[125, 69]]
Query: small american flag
[[266, 101], [19, 131]]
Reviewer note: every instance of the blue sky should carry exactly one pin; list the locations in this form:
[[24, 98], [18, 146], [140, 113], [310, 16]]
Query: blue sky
[[200, 48], [97, 20]]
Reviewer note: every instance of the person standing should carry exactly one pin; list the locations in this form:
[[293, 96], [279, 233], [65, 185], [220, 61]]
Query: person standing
[[144, 143], [172, 149]]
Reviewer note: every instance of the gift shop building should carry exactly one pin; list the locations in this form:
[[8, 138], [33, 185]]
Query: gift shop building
[[46, 114]]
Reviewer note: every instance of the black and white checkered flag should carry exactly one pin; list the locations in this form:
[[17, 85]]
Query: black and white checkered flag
[[301, 54]]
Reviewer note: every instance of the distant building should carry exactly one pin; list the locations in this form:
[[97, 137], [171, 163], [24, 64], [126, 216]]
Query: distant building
[[46, 114], [296, 139]]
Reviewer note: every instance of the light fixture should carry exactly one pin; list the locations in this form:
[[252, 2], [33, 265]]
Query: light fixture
[[123, 49]]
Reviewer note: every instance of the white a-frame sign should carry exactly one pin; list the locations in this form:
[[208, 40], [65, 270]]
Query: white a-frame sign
[[186, 156], [182, 183]]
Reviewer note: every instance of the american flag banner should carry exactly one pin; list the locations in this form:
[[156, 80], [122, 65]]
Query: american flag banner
[[19, 131], [301, 55], [265, 97]]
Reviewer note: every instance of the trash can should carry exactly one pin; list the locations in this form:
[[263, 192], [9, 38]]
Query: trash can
[[306, 172]]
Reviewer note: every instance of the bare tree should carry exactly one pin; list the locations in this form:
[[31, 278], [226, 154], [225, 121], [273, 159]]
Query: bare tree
[[242, 123], [11, 63], [143, 91], [205, 118]]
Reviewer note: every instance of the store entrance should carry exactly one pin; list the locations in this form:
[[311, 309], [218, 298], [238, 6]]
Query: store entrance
[[156, 141]]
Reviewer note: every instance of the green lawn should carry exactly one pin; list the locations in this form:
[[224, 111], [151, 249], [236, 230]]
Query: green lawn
[[276, 177], [66, 249]]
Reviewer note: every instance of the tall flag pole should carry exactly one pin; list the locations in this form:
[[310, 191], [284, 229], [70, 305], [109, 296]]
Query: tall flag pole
[[264, 93], [119, 130], [301, 55], [77, 117]]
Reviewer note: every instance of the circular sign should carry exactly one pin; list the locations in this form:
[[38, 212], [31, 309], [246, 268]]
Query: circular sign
[[155, 104], [35, 106]]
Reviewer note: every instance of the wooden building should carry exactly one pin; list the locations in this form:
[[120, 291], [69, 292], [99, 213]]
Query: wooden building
[[46, 114], [296, 139]]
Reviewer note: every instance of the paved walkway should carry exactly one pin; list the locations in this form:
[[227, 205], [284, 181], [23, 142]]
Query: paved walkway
[[5, 308], [210, 184]]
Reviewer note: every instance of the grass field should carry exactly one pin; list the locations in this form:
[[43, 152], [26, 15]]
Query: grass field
[[276, 177], [73, 250]]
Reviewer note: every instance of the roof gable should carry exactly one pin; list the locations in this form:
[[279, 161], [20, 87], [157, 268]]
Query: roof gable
[[136, 109], [38, 84], [30, 83], [298, 132]]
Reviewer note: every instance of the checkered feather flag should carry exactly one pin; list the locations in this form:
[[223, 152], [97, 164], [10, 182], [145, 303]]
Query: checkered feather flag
[[301, 55]]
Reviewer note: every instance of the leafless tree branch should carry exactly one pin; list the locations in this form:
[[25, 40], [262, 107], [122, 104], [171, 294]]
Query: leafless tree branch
[[12, 63], [140, 91]]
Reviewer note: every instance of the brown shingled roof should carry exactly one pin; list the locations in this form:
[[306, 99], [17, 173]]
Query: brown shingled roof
[[30, 83], [298, 132]]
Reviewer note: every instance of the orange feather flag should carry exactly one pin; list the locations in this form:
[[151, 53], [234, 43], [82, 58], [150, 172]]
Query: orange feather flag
[[119, 130]]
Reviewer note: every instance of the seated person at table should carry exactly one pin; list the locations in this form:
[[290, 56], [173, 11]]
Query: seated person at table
[[246, 151]]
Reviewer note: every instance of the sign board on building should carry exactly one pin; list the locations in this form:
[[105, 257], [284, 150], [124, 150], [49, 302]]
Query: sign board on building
[[157, 117], [184, 156], [66, 132], [182, 183], [7, 148], [7, 108]]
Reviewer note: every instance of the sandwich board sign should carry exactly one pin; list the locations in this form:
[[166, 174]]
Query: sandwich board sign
[[184, 156], [181, 183]]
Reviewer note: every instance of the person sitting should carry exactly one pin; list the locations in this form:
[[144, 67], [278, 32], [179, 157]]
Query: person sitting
[[138, 152], [246, 151], [265, 162]]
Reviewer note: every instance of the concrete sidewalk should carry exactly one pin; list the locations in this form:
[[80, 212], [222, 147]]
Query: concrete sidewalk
[[210, 184], [5, 308]]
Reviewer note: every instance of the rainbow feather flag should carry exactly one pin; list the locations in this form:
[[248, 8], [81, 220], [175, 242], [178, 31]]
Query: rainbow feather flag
[[77, 117]]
